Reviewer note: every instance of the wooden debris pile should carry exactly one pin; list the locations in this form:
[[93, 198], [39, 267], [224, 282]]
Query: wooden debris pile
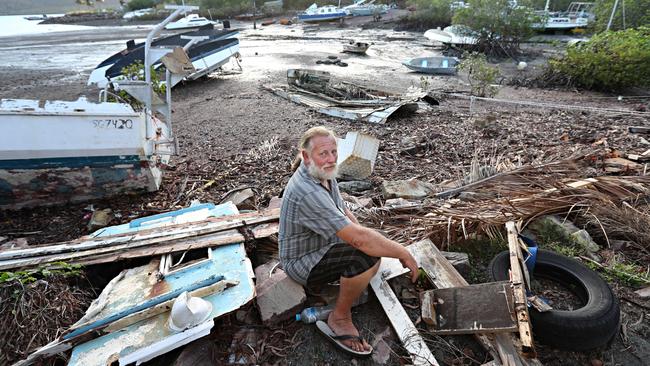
[[521, 194], [167, 239]]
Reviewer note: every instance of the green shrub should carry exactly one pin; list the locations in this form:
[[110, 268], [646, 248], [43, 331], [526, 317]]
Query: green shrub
[[135, 71], [227, 8], [140, 4], [637, 14], [497, 26], [29, 276], [481, 76], [610, 61], [429, 14]]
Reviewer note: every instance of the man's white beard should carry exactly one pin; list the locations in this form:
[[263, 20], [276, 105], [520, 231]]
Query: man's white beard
[[321, 174]]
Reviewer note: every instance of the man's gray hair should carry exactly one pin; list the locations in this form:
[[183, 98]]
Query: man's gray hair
[[305, 142]]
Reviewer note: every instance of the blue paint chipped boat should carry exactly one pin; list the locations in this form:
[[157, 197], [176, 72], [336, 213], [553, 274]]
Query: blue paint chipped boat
[[55, 152], [152, 336], [129, 322]]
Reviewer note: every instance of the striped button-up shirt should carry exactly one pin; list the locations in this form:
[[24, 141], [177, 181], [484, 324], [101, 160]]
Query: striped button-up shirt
[[310, 216]]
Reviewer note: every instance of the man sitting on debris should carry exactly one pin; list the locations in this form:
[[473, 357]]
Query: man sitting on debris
[[321, 241]]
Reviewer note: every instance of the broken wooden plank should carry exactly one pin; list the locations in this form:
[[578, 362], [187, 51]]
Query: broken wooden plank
[[618, 165], [462, 310], [519, 290], [399, 319], [429, 315], [114, 253], [163, 233], [444, 275]]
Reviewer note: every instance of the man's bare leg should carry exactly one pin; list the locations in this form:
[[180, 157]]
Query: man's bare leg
[[340, 319]]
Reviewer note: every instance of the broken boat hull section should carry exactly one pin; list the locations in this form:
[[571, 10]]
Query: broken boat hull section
[[152, 336], [57, 152]]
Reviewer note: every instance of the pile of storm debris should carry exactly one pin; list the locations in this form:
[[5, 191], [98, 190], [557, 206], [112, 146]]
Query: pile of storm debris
[[421, 183], [200, 257], [319, 90]]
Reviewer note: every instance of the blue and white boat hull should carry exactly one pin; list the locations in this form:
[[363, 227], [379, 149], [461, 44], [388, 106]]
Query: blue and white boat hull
[[57, 152]]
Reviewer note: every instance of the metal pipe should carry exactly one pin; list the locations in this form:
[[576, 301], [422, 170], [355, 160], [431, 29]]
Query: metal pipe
[[168, 119], [611, 17], [147, 59]]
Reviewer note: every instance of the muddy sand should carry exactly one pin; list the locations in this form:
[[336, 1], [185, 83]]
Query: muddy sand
[[222, 120]]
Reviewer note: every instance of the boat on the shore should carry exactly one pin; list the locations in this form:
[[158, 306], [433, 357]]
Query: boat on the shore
[[440, 65], [206, 54], [36, 17], [53, 152], [58, 151], [363, 8], [326, 13], [190, 21], [577, 15], [138, 13], [453, 35], [356, 47]]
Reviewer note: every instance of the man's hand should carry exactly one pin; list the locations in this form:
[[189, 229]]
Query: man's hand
[[409, 262]]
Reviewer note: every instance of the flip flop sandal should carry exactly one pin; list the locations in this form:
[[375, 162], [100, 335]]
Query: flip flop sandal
[[337, 339]]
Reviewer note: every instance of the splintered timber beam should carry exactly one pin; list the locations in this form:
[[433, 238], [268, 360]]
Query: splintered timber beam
[[399, 319], [519, 290]]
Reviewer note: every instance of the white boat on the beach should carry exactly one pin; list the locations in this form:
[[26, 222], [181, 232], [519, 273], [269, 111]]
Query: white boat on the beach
[[53, 152], [213, 48], [190, 21], [363, 8], [454, 35], [138, 13], [577, 15], [36, 17], [440, 65], [356, 47], [321, 14], [58, 151]]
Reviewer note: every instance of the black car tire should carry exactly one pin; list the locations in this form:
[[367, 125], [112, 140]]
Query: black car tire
[[589, 327]]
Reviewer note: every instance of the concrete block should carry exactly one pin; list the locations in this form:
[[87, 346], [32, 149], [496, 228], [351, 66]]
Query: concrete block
[[356, 155], [408, 189], [355, 186], [263, 272], [279, 298]]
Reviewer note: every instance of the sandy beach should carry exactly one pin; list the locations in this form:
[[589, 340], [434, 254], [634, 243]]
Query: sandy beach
[[222, 119]]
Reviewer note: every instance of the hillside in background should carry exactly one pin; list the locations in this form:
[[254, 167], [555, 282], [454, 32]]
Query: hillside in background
[[16, 7]]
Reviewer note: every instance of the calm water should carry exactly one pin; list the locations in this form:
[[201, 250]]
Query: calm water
[[16, 25], [29, 45]]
